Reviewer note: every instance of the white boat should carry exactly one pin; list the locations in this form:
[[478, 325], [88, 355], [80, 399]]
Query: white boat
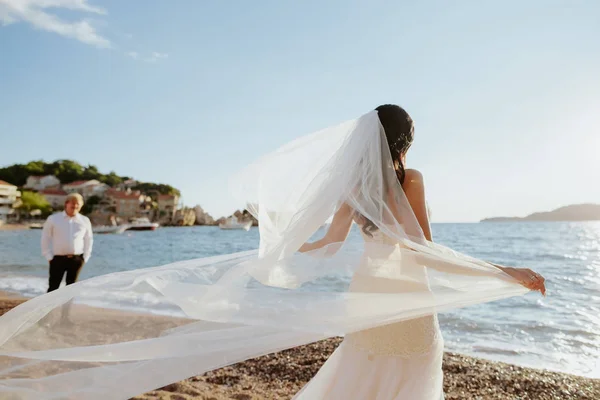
[[142, 224], [118, 229], [233, 223]]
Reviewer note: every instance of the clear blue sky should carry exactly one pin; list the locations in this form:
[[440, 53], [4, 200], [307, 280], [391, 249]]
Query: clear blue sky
[[505, 95]]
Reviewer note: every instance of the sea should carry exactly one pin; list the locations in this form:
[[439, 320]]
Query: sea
[[560, 332]]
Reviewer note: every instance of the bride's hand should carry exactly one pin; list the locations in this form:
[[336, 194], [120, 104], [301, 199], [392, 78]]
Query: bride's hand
[[528, 278]]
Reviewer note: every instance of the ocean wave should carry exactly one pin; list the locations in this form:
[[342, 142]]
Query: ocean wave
[[497, 350], [28, 286]]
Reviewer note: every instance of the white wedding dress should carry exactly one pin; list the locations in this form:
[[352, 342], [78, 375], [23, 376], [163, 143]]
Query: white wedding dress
[[399, 361]]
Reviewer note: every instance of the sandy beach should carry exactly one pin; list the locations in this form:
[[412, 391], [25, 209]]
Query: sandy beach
[[13, 227], [280, 375]]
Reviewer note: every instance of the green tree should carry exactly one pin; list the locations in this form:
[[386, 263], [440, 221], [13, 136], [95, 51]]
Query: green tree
[[91, 172], [153, 188], [17, 174], [111, 179], [35, 168], [89, 204], [34, 201], [69, 171]]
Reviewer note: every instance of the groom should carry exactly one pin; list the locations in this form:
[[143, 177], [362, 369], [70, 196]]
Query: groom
[[67, 242]]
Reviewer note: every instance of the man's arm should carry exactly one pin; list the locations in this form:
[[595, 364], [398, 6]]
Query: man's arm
[[47, 239], [88, 241]]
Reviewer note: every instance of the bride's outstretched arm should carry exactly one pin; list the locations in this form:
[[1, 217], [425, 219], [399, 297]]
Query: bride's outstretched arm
[[337, 232], [414, 189], [526, 277]]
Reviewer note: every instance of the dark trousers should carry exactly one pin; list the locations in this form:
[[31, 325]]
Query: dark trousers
[[71, 265]]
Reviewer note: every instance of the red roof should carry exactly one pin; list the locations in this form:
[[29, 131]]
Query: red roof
[[56, 192], [166, 196], [76, 183], [4, 183]]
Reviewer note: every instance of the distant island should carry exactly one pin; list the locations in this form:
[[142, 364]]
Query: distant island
[[575, 212]]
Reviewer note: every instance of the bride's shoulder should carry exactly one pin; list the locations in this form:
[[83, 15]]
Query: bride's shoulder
[[413, 176]]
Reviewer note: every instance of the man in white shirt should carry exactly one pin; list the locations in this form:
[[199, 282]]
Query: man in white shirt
[[67, 242]]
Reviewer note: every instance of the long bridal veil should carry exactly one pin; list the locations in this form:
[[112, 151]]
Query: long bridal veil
[[118, 335]]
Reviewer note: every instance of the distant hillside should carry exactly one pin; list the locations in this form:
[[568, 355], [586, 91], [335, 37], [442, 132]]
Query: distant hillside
[[68, 171], [575, 212]]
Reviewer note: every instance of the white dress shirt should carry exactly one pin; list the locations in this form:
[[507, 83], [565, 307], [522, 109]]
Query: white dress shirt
[[63, 235]]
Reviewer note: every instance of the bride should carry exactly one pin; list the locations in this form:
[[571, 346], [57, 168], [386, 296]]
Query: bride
[[134, 331], [401, 360]]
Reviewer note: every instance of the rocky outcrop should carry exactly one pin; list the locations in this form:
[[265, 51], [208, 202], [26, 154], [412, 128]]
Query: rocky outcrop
[[220, 221], [244, 216], [184, 217], [202, 217]]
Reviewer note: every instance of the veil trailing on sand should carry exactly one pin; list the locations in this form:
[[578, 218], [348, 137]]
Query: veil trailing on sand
[[212, 312]]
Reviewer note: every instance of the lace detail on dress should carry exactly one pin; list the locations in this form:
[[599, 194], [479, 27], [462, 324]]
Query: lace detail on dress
[[402, 339]]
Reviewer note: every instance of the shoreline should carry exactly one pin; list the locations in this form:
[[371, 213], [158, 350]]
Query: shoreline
[[281, 375], [13, 227]]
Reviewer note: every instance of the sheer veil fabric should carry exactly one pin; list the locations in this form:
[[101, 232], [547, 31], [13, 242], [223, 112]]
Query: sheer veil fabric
[[216, 311]]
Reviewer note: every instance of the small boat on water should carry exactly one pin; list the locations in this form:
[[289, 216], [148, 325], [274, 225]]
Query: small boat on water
[[233, 223], [36, 226], [117, 229], [142, 224]]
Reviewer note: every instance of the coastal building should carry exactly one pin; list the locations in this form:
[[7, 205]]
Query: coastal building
[[147, 208], [87, 189], [56, 197], [10, 198], [126, 204], [37, 183], [167, 205], [127, 184]]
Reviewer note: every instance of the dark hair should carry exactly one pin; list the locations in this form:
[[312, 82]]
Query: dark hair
[[399, 131]]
